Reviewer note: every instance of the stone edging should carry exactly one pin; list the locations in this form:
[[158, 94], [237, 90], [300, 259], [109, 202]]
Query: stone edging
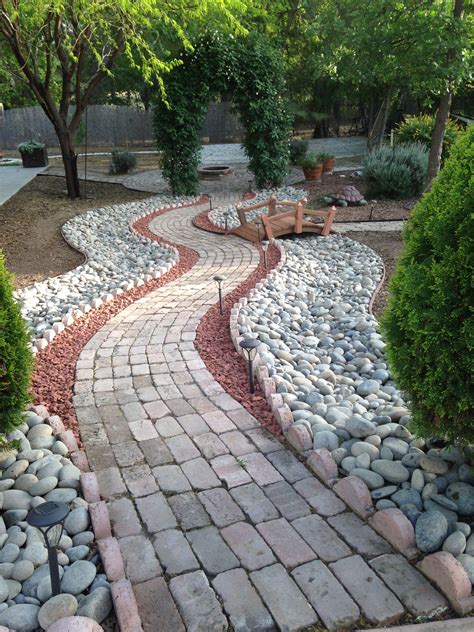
[[49, 334], [122, 594], [441, 567]]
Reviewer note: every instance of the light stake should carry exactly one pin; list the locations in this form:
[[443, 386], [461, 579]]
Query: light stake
[[258, 224], [265, 245], [226, 220], [219, 280], [210, 201], [250, 186], [49, 519], [250, 349]]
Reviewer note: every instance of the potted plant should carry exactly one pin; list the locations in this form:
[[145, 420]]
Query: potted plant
[[329, 160], [312, 166], [33, 154]]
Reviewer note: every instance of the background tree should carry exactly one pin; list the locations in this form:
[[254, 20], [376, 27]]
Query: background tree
[[74, 45]]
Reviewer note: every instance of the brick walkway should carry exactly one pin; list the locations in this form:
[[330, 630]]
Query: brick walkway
[[219, 524]]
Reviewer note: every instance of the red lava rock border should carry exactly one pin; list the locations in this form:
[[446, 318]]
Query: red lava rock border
[[215, 346]]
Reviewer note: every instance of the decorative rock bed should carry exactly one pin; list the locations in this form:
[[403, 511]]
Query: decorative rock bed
[[218, 215], [117, 259], [326, 376], [41, 470]]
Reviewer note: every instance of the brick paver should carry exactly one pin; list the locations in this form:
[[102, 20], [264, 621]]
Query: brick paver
[[219, 524]]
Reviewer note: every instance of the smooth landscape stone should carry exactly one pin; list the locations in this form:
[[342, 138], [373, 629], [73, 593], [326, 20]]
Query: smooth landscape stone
[[22, 570], [9, 553], [463, 528], [392, 471], [408, 496], [455, 543], [371, 479], [78, 577], [86, 537], [359, 427], [398, 447], [21, 617], [36, 553], [76, 553], [77, 521], [462, 494], [433, 464], [43, 486], [24, 482], [384, 492], [450, 516], [431, 531], [4, 591], [384, 503], [468, 564], [16, 499], [326, 440], [56, 608], [97, 605], [61, 495]]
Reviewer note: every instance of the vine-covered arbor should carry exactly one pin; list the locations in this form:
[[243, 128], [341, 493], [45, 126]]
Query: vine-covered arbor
[[251, 71]]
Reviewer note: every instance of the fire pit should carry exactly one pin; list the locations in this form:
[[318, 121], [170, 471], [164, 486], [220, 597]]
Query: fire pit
[[214, 172]]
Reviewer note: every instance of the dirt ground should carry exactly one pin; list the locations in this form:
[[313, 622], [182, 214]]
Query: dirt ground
[[374, 210], [30, 226]]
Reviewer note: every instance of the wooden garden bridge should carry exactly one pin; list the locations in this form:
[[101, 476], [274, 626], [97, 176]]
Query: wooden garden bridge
[[277, 222]]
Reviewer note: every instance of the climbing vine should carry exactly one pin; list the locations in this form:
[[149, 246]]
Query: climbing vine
[[249, 69]]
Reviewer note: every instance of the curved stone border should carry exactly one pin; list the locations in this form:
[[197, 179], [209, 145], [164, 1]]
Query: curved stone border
[[53, 378], [122, 594], [442, 568]]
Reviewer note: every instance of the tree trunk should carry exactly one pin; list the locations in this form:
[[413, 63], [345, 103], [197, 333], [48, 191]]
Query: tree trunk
[[442, 115], [69, 157], [436, 148], [376, 133]]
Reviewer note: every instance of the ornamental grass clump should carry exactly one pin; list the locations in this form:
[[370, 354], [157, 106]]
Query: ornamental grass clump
[[15, 357], [122, 162], [429, 322], [396, 172]]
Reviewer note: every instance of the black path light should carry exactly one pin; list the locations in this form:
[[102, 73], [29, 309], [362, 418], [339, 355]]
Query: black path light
[[250, 349], [210, 201], [250, 186], [258, 224], [49, 519], [265, 245], [226, 220], [219, 280]]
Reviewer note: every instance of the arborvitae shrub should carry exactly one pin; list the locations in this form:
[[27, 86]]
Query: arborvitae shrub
[[298, 149], [429, 322], [15, 356], [397, 172], [419, 129]]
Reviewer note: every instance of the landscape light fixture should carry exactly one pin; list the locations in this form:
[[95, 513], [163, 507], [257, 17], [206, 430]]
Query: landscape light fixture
[[210, 201], [219, 280], [250, 349], [226, 220], [265, 245], [258, 224], [49, 519], [250, 186]]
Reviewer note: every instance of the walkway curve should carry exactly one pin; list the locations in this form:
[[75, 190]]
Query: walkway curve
[[217, 522]]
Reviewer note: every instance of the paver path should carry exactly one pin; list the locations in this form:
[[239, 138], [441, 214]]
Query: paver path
[[219, 524]]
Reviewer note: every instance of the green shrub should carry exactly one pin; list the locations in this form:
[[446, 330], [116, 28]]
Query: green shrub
[[298, 149], [311, 160], [429, 322], [419, 129], [15, 357], [30, 146], [122, 161], [397, 172]]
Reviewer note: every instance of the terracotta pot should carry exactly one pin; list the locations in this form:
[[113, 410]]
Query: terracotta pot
[[328, 165], [313, 173]]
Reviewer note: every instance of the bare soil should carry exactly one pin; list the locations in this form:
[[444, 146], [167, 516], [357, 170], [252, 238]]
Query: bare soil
[[30, 226], [375, 209]]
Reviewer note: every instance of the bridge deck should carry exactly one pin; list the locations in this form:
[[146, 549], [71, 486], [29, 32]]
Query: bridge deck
[[283, 226]]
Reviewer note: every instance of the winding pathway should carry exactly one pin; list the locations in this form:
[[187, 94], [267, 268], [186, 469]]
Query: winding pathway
[[219, 524]]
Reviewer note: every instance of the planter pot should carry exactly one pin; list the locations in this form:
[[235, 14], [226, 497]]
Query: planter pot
[[36, 158], [313, 173], [328, 165]]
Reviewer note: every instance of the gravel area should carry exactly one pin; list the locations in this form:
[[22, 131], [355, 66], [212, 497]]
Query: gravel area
[[323, 349], [40, 471]]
